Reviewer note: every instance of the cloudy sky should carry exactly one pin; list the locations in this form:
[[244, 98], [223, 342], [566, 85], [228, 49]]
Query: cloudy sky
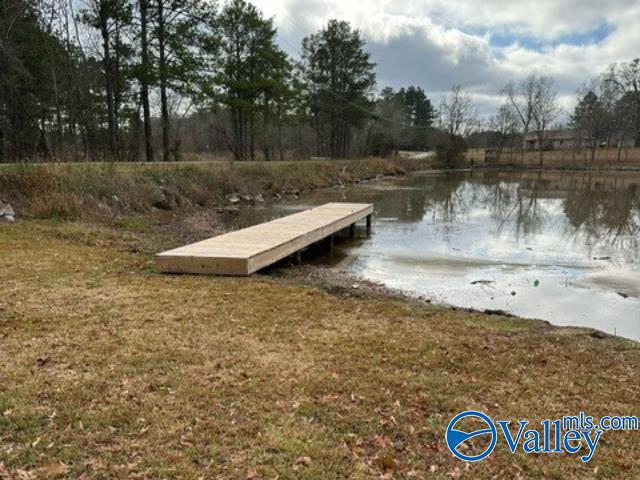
[[480, 44]]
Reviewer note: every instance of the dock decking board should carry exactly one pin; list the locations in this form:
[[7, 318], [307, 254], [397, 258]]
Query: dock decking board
[[245, 251]]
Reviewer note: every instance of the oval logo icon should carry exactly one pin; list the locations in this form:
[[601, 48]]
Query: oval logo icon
[[457, 438]]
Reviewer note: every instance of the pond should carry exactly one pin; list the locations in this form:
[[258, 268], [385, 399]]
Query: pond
[[560, 246]]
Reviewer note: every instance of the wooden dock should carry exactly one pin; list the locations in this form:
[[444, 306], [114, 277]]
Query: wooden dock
[[245, 251]]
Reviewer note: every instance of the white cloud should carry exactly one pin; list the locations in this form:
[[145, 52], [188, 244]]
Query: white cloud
[[437, 43]]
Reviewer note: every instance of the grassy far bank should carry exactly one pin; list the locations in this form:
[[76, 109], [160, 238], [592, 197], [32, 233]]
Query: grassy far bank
[[105, 189], [605, 158], [111, 370]]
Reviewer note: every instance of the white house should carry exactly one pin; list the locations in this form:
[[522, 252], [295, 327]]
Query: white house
[[566, 139], [553, 140]]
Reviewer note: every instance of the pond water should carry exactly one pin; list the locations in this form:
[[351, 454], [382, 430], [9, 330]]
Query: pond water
[[560, 246]]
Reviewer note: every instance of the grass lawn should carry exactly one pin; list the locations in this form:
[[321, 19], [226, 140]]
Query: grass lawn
[[110, 370]]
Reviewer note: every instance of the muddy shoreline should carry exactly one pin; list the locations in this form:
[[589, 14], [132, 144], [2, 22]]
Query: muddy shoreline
[[343, 284]]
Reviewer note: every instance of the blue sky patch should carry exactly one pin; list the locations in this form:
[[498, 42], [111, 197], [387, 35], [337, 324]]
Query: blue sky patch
[[507, 38]]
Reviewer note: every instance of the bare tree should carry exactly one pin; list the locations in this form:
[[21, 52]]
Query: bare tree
[[458, 115], [609, 93], [626, 77], [629, 75], [458, 119], [505, 124], [144, 77], [545, 110], [521, 98]]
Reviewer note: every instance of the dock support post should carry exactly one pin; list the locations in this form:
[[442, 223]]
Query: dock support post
[[352, 231], [368, 225], [299, 257], [331, 242]]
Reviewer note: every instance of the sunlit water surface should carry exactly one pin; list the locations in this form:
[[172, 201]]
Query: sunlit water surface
[[564, 247]]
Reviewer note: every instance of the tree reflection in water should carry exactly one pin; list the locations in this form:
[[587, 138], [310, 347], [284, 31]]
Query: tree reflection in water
[[599, 208]]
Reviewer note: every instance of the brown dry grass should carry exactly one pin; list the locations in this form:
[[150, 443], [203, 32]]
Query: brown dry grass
[[101, 190], [110, 370]]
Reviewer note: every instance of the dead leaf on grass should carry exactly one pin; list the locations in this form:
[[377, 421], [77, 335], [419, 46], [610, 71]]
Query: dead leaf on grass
[[4, 473], [387, 463], [55, 468], [455, 473], [43, 361], [282, 405], [302, 462], [381, 441], [23, 474]]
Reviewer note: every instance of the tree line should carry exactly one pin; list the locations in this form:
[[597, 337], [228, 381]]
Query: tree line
[[139, 79], [147, 80], [607, 112]]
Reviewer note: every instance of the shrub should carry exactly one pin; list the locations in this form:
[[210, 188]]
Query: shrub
[[450, 151]]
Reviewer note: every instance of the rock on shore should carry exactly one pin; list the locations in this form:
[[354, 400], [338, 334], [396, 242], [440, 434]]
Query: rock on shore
[[7, 213]]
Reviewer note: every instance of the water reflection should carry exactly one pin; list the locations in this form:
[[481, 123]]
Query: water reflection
[[563, 246]]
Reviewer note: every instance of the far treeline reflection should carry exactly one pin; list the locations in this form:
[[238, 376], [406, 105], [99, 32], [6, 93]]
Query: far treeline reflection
[[602, 205]]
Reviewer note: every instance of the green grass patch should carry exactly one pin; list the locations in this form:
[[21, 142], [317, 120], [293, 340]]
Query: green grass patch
[[131, 223]]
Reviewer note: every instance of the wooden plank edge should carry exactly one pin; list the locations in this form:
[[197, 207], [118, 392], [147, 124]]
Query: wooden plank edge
[[202, 265]]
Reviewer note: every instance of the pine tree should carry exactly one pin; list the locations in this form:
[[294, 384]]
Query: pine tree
[[177, 51], [338, 79], [145, 75], [32, 60], [421, 115], [112, 18], [252, 76], [421, 111]]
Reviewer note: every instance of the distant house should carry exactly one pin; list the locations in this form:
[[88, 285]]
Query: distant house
[[553, 140], [567, 139]]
